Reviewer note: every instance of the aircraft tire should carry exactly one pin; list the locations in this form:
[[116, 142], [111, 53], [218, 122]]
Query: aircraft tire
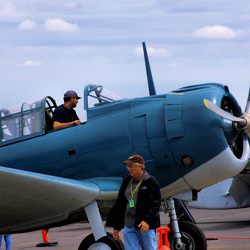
[[105, 243], [192, 237]]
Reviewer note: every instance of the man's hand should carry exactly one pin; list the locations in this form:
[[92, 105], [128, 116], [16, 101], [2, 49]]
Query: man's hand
[[144, 226], [76, 122], [116, 234]]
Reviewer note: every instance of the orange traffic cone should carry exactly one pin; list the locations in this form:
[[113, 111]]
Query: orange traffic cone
[[163, 236], [46, 242], [45, 236]]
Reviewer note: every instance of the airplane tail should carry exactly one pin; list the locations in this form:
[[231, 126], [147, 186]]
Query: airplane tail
[[151, 86]]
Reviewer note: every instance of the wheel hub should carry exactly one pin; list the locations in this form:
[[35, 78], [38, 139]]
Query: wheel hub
[[99, 246]]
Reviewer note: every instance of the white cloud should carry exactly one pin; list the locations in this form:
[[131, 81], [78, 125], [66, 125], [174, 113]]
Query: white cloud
[[59, 25], [153, 52], [29, 63], [216, 32], [27, 25], [8, 9]]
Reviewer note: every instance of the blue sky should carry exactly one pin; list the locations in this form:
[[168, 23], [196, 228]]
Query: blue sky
[[48, 47]]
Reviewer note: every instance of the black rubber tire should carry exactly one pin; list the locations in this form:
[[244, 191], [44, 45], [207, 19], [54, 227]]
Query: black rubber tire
[[119, 241], [107, 242], [192, 237]]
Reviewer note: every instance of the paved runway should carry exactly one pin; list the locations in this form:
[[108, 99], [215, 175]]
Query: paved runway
[[230, 227]]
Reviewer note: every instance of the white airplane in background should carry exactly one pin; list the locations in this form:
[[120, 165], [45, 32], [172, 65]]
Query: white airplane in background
[[228, 194]]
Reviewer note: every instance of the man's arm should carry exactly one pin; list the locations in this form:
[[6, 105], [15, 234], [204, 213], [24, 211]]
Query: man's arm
[[59, 125], [155, 201]]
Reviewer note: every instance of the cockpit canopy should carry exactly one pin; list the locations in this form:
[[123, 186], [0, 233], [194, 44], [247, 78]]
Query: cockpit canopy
[[32, 119], [95, 95], [27, 120]]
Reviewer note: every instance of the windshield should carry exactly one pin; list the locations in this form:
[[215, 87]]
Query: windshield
[[96, 95]]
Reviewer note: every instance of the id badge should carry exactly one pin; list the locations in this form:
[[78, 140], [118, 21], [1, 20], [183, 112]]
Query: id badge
[[131, 203]]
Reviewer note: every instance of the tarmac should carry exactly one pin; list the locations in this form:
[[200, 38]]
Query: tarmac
[[224, 229]]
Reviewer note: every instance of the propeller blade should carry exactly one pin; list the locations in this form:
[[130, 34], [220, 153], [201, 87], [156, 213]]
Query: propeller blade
[[247, 110], [223, 113]]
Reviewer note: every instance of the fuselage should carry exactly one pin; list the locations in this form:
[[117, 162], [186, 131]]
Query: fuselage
[[165, 129]]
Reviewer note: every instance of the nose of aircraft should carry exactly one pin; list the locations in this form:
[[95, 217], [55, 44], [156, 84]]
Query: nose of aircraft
[[242, 124], [217, 148]]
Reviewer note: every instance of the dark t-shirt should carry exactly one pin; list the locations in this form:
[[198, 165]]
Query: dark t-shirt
[[131, 211], [64, 115]]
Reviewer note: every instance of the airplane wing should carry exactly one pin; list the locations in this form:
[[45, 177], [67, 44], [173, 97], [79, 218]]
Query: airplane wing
[[28, 198], [109, 187], [231, 193], [240, 189]]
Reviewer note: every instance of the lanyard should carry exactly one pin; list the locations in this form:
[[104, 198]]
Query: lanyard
[[132, 193]]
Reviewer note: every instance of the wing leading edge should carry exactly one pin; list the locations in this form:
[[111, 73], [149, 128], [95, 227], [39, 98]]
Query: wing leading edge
[[30, 200]]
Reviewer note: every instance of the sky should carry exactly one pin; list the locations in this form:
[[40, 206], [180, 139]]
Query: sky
[[50, 46]]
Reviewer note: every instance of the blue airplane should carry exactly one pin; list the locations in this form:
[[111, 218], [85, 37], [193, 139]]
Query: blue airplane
[[53, 178]]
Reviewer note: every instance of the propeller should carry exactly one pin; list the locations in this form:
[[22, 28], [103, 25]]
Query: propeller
[[223, 113], [242, 123], [247, 110]]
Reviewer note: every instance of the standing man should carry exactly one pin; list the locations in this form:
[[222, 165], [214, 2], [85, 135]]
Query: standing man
[[64, 115], [137, 207]]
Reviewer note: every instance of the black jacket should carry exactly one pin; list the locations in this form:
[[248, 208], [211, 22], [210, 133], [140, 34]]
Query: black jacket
[[147, 208]]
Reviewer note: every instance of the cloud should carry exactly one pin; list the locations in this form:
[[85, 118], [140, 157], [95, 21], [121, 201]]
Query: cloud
[[29, 63], [7, 9], [59, 25], [215, 32], [50, 25], [153, 52], [27, 25]]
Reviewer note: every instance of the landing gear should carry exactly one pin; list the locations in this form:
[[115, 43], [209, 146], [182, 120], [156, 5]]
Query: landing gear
[[105, 243], [183, 235], [191, 237], [99, 239]]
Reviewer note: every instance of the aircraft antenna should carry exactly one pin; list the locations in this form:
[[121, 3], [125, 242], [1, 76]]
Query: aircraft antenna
[[151, 86]]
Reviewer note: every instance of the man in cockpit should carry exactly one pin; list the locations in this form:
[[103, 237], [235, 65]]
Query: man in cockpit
[[64, 115]]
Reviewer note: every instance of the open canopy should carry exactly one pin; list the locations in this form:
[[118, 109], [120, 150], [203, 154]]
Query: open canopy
[[95, 95]]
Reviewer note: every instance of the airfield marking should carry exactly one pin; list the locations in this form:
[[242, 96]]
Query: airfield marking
[[230, 238]]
